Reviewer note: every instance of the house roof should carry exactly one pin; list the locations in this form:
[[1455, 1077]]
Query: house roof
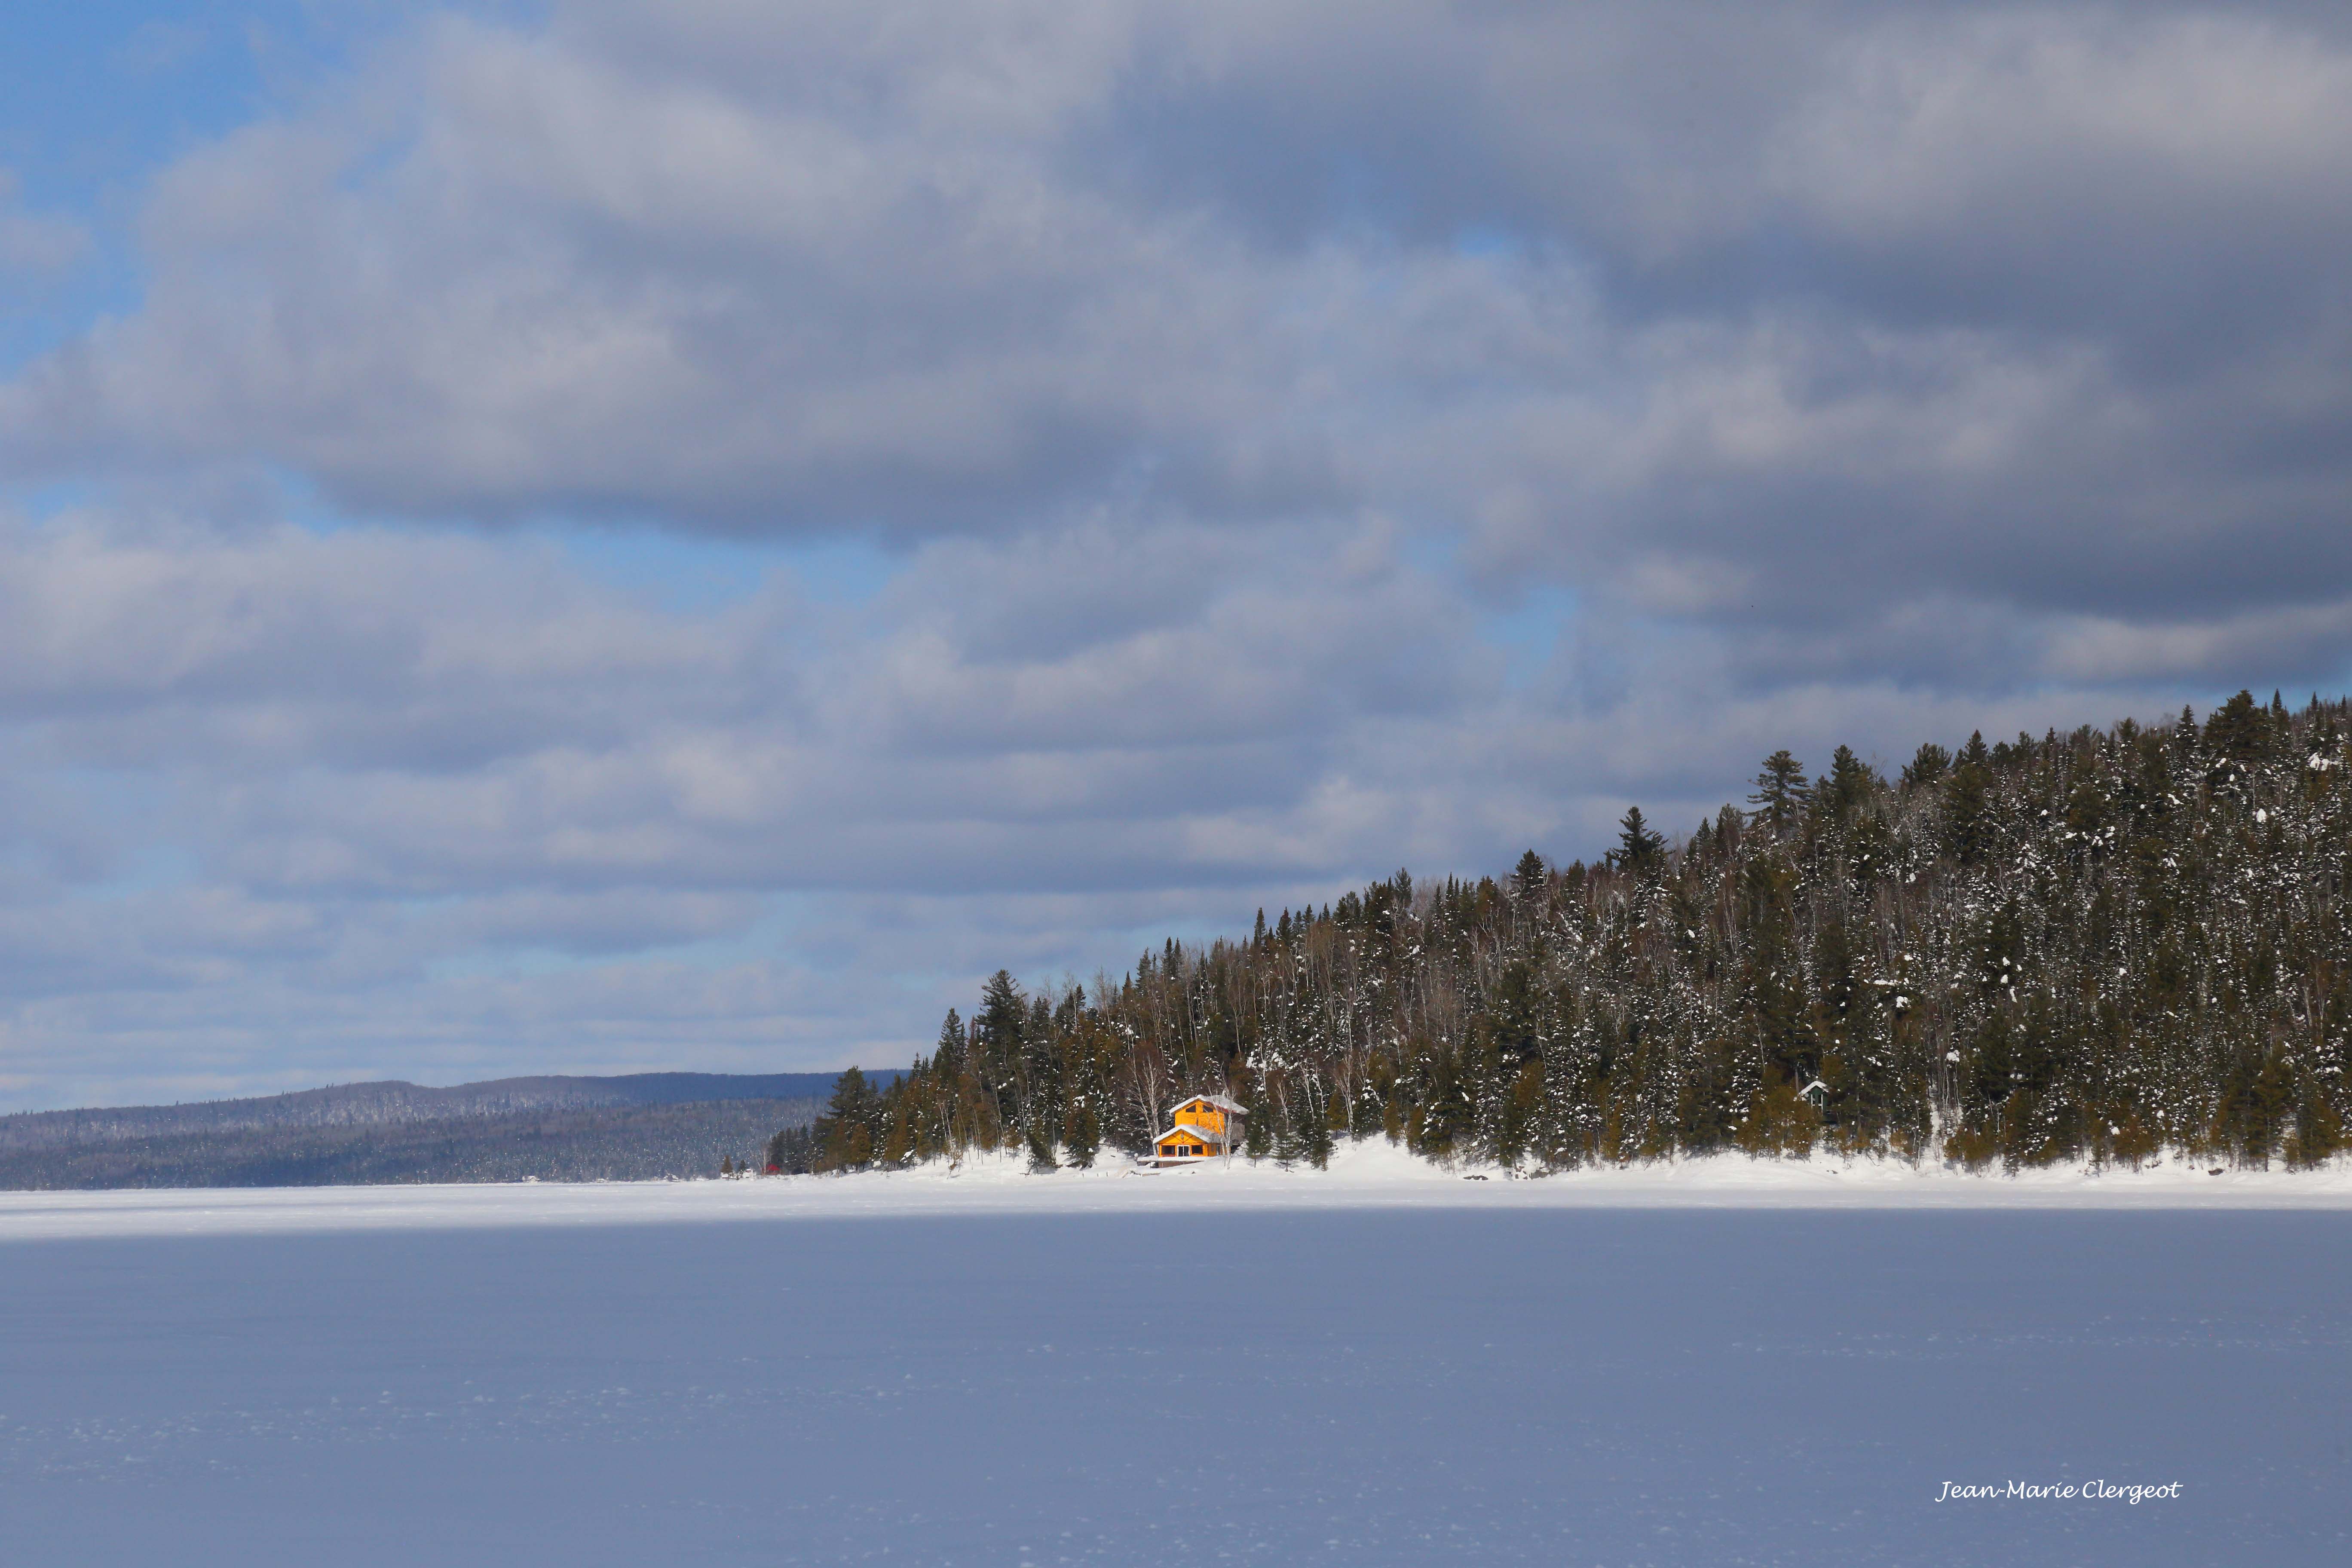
[[1189, 1135], [1231, 1108]]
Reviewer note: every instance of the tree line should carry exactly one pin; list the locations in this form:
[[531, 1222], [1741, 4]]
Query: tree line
[[2104, 945]]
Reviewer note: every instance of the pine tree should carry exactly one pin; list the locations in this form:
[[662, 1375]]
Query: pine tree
[[1529, 879], [947, 1056], [1000, 1038], [1315, 1142], [1082, 1135], [1780, 789], [1927, 768], [1968, 805], [846, 1135], [1639, 850], [1851, 783]]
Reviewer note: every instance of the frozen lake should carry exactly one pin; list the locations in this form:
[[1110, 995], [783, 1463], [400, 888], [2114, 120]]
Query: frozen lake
[[1562, 1385]]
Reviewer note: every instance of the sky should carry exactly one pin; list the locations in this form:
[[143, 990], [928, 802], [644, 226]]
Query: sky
[[624, 536]]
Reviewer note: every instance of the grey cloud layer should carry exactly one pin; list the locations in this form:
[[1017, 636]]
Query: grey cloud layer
[[1753, 315], [282, 807], [1215, 375], [291, 800]]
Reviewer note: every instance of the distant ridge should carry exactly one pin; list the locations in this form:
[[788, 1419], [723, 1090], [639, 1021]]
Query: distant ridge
[[393, 1101], [636, 1126]]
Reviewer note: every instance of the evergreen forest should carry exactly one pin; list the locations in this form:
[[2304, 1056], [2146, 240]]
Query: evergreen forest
[[2109, 945]]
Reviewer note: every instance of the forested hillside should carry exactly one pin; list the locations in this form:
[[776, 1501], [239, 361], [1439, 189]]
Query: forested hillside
[[637, 1127], [574, 1143], [2103, 944]]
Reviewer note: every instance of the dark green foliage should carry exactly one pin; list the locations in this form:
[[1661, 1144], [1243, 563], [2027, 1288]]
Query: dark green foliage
[[792, 1152], [1780, 790], [1081, 1135], [1969, 804], [849, 1135], [1851, 786], [2102, 945], [1927, 768], [1532, 880], [1639, 850]]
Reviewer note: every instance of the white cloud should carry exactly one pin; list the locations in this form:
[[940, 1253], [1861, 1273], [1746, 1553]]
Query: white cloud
[[1947, 127], [1209, 377], [380, 801]]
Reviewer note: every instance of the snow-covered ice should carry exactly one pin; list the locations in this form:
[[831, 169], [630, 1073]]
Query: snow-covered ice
[[1382, 1364], [1372, 1174]]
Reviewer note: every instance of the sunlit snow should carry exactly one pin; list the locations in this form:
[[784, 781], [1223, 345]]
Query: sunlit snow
[[1382, 1364]]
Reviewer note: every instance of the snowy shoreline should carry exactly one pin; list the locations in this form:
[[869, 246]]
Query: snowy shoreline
[[1366, 1175]]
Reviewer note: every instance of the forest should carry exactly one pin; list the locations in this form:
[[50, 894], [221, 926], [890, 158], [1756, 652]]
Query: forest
[[636, 1127], [2108, 945]]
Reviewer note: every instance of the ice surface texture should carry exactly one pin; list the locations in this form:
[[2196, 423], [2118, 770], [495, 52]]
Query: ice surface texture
[[1396, 1385]]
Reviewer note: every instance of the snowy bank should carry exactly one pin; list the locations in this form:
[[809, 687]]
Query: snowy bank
[[1372, 1175]]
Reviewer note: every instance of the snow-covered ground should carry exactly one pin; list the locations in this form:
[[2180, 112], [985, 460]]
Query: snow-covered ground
[[1383, 1364], [1372, 1175]]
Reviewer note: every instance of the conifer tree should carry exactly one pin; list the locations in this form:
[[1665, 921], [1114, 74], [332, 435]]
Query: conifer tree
[[1927, 768], [1639, 850], [1531, 877], [1850, 784], [1081, 1137], [1000, 1031], [1780, 792]]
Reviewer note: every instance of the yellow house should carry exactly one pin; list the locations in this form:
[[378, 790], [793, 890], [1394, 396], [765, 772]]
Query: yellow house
[[1203, 1130]]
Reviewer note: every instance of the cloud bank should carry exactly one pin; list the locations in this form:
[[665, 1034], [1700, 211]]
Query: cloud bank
[[1295, 441]]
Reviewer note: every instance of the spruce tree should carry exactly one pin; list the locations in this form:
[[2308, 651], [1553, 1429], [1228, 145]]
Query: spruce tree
[[947, 1056], [1315, 1142], [1082, 1135], [1927, 768], [1000, 1037], [1639, 850], [1970, 829], [1851, 783], [1529, 878], [1780, 789]]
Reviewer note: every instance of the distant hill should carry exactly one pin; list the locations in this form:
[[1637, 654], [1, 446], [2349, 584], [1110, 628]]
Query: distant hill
[[637, 1127]]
